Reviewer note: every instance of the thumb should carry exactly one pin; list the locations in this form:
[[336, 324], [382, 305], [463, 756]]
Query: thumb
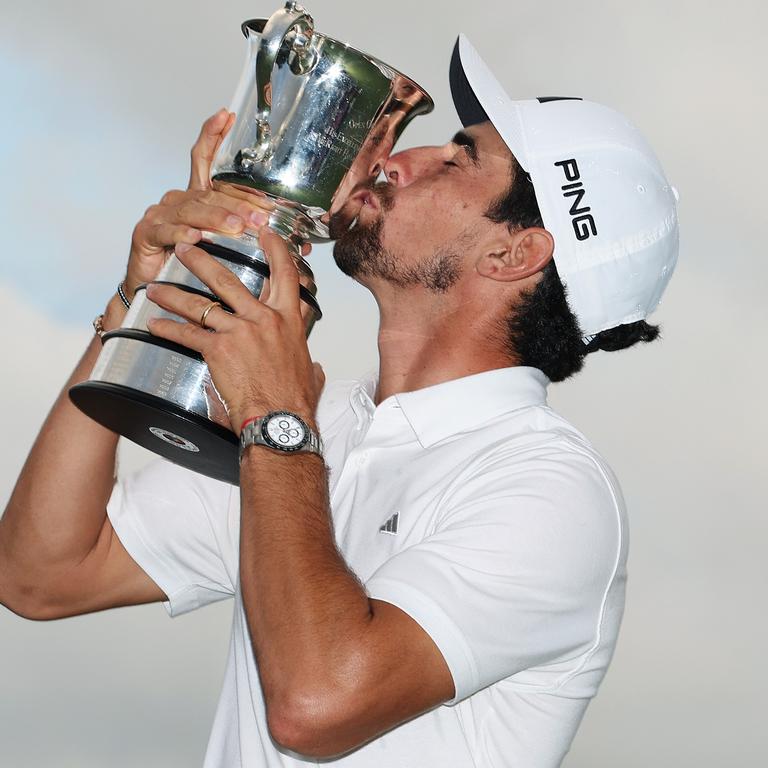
[[214, 129]]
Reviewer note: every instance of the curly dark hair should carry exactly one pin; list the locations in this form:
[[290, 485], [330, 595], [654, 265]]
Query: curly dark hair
[[541, 330]]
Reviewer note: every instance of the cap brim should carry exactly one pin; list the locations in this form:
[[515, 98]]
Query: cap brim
[[468, 108], [479, 97]]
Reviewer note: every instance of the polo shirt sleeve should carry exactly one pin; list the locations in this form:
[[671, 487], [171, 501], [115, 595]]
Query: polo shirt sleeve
[[516, 572], [180, 529]]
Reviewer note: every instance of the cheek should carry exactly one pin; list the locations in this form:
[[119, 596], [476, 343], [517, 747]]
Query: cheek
[[427, 216]]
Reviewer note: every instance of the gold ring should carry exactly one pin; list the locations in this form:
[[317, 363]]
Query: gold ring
[[206, 312]]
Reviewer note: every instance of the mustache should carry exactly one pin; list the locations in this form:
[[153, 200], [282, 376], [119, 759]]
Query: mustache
[[385, 193]]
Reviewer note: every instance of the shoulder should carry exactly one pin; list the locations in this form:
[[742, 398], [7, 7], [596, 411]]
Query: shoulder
[[540, 473], [537, 440], [579, 462]]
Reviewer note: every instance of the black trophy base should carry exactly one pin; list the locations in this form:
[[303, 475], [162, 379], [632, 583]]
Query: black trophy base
[[161, 427]]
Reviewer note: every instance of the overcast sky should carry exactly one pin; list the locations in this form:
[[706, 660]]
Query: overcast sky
[[100, 104]]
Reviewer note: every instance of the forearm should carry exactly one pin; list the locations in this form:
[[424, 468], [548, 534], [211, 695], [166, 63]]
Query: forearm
[[307, 612], [58, 505]]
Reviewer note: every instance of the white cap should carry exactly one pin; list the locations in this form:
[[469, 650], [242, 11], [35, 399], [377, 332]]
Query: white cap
[[600, 188]]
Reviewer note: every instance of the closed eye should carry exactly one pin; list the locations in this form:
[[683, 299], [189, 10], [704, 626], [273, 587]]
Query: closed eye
[[463, 140]]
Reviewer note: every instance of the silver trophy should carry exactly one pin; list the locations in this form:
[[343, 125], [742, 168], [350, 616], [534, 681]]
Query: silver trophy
[[316, 120]]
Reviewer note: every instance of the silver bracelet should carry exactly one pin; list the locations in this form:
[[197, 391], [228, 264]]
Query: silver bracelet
[[121, 294]]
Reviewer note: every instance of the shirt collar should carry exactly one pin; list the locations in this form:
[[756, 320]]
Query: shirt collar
[[455, 406], [361, 398]]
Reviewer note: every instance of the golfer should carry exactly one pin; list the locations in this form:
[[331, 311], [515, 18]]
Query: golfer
[[435, 579]]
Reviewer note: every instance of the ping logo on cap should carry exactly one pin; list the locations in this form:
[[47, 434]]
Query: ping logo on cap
[[582, 220]]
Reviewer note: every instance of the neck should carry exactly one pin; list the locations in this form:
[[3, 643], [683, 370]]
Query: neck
[[418, 349]]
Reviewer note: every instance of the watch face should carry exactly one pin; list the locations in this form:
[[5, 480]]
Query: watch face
[[286, 431]]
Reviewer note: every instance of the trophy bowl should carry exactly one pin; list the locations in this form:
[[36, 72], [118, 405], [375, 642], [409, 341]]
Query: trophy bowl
[[316, 120]]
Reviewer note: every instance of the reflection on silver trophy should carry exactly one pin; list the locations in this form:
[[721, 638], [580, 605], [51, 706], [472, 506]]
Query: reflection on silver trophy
[[316, 119]]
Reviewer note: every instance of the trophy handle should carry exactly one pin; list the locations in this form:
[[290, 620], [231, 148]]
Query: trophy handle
[[277, 28], [291, 19]]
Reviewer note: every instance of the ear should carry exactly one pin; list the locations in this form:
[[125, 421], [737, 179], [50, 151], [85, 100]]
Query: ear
[[516, 255]]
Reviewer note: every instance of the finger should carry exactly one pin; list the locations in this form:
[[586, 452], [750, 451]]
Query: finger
[[306, 249], [254, 196], [201, 215], [190, 306], [251, 209], [223, 283], [204, 150], [166, 235], [228, 127], [188, 335], [283, 274]]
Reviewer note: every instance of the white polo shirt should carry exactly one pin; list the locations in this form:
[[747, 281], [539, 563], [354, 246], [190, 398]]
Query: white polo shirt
[[471, 506]]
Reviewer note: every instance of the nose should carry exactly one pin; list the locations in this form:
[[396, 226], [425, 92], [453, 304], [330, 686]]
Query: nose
[[402, 168], [375, 169]]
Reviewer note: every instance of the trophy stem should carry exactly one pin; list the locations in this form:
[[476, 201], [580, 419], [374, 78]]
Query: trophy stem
[[292, 223], [296, 222]]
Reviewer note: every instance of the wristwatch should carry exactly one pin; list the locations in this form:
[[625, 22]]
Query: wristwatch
[[282, 431]]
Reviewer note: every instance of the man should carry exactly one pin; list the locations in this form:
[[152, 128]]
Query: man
[[448, 592]]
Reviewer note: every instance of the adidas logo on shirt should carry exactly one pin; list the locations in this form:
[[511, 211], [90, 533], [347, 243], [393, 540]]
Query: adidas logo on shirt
[[391, 525]]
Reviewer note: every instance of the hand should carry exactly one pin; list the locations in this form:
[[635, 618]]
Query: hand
[[258, 355], [180, 216]]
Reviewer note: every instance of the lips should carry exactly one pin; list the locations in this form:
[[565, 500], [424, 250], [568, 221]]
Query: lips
[[363, 206], [365, 198]]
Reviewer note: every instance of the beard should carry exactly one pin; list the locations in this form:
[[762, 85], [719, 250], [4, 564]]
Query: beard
[[359, 253]]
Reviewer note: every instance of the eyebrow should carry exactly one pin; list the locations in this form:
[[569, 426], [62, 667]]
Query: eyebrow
[[463, 139]]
